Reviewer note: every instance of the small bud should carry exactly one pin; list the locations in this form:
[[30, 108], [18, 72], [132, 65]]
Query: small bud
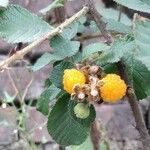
[[4, 105], [82, 110], [93, 69], [94, 92], [81, 95]]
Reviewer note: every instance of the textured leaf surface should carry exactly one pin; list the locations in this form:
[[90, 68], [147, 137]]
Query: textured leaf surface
[[107, 13], [116, 52], [146, 1], [142, 44], [19, 25], [140, 5], [54, 4], [64, 128], [47, 96], [87, 145], [70, 31], [62, 48], [44, 60], [56, 76], [112, 23], [146, 61], [93, 48], [139, 76]]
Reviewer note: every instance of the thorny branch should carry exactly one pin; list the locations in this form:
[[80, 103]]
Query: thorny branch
[[95, 135], [98, 19], [132, 99], [20, 54]]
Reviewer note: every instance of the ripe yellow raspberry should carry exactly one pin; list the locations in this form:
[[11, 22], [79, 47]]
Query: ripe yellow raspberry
[[113, 88], [71, 78]]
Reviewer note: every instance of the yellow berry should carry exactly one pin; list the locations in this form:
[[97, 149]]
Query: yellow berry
[[71, 78], [113, 88]]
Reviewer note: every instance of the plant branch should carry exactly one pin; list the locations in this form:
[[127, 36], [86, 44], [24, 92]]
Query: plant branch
[[98, 19], [133, 101], [95, 135], [20, 54]]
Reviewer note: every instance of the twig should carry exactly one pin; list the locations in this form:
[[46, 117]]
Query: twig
[[61, 148], [100, 23], [60, 14], [20, 54], [95, 135], [133, 101], [87, 36], [17, 92], [26, 89]]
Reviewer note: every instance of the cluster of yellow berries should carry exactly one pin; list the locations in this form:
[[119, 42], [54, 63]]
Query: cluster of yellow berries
[[112, 89]]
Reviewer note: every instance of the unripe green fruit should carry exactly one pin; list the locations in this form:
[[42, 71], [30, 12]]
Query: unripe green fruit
[[81, 110]]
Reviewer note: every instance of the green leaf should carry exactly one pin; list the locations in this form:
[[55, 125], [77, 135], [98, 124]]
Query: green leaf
[[77, 58], [47, 96], [93, 48], [139, 5], [116, 52], [146, 1], [19, 25], [62, 48], [110, 68], [142, 45], [81, 27], [112, 23], [8, 98], [54, 4], [3, 4], [61, 121], [139, 76], [70, 31], [56, 76], [146, 61], [87, 145], [47, 83], [107, 14], [41, 62]]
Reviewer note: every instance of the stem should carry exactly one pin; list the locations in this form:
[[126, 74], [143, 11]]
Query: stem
[[60, 14], [120, 12], [130, 92], [61, 148], [24, 51], [95, 136], [100, 23], [133, 101]]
